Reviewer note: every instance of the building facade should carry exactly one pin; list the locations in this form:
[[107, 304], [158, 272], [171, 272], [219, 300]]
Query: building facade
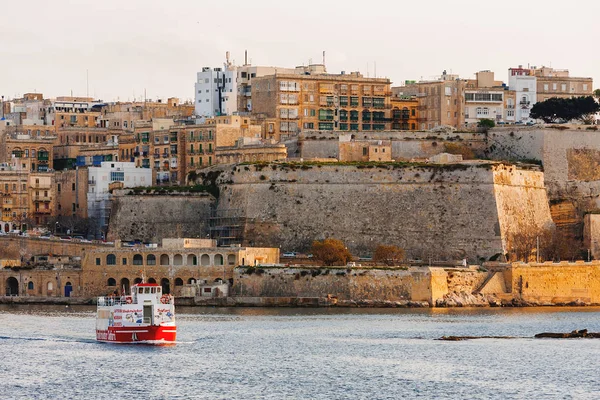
[[344, 102]]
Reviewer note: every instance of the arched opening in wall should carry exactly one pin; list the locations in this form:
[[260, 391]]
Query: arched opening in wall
[[111, 259], [178, 259], [125, 286], [111, 282], [138, 259], [49, 288], [164, 259], [166, 285], [30, 285], [191, 281], [68, 289], [218, 259], [12, 286], [205, 259], [151, 280], [231, 259], [150, 259], [178, 282], [137, 280], [192, 259]]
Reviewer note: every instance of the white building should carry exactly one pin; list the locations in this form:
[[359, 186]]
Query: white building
[[108, 175], [524, 83], [216, 92]]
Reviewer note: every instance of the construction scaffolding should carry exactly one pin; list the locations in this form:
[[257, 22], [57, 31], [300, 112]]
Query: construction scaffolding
[[227, 226]]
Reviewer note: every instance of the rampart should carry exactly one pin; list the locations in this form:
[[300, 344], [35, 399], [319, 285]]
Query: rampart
[[152, 217], [355, 284], [405, 145], [432, 211]]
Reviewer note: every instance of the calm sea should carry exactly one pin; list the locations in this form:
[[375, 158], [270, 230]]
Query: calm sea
[[50, 352]]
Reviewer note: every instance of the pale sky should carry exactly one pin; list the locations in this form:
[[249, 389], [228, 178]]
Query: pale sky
[[158, 45]]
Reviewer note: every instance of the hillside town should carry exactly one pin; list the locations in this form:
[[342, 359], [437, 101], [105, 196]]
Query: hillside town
[[213, 198]]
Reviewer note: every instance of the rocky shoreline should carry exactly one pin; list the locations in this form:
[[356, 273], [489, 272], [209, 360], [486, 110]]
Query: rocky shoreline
[[453, 300]]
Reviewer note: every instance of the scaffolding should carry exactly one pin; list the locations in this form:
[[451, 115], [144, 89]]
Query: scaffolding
[[227, 226]]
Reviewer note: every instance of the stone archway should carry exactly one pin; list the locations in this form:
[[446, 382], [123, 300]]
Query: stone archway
[[12, 286]]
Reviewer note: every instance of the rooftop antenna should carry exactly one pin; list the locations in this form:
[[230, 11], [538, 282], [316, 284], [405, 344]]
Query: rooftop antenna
[[375, 67], [323, 57], [367, 70], [245, 57], [87, 83]]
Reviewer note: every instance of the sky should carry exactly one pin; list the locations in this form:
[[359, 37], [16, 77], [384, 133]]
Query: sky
[[117, 49]]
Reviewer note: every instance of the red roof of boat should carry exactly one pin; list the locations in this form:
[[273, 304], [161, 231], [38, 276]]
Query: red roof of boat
[[146, 284]]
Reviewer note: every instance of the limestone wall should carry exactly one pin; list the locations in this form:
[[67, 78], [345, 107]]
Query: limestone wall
[[392, 284], [443, 212], [12, 247], [150, 218], [405, 145], [550, 283]]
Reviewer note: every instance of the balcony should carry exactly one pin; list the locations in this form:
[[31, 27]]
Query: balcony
[[165, 155], [42, 199], [525, 103], [43, 211], [92, 183], [510, 107], [42, 157]]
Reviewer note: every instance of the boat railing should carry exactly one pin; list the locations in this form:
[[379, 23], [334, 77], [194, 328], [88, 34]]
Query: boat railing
[[114, 301]]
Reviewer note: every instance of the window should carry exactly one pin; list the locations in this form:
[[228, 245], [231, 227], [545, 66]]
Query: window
[[117, 176], [73, 187], [365, 151], [124, 261], [30, 285], [563, 87], [111, 259], [585, 87], [97, 260], [138, 259], [546, 87], [111, 282], [151, 259]]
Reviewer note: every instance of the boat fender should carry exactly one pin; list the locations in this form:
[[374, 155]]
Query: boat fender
[[128, 300], [164, 299]]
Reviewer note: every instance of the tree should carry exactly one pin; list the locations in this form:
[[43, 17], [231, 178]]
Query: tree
[[597, 93], [331, 251], [485, 124], [557, 109], [389, 255]]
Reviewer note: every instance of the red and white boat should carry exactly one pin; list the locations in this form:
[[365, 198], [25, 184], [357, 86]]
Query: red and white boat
[[147, 316]]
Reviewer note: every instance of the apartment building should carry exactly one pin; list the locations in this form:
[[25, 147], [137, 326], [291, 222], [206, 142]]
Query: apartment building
[[172, 151], [558, 83], [33, 154], [524, 83], [405, 113], [441, 101], [484, 98], [124, 115], [343, 102], [27, 198]]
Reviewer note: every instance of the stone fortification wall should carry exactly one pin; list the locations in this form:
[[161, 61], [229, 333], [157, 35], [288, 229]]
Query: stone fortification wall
[[555, 283], [405, 145], [152, 217], [432, 211], [13, 247], [571, 160], [390, 284]]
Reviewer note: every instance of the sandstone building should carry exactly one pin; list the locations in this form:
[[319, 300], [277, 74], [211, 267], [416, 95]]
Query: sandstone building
[[345, 102]]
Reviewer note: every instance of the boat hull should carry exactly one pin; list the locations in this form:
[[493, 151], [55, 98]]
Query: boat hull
[[136, 334]]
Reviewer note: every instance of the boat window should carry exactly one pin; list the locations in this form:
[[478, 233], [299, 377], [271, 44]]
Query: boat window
[[158, 290], [140, 290], [153, 290], [147, 290]]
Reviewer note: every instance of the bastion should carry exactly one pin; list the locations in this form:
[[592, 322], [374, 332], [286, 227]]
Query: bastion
[[453, 211]]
